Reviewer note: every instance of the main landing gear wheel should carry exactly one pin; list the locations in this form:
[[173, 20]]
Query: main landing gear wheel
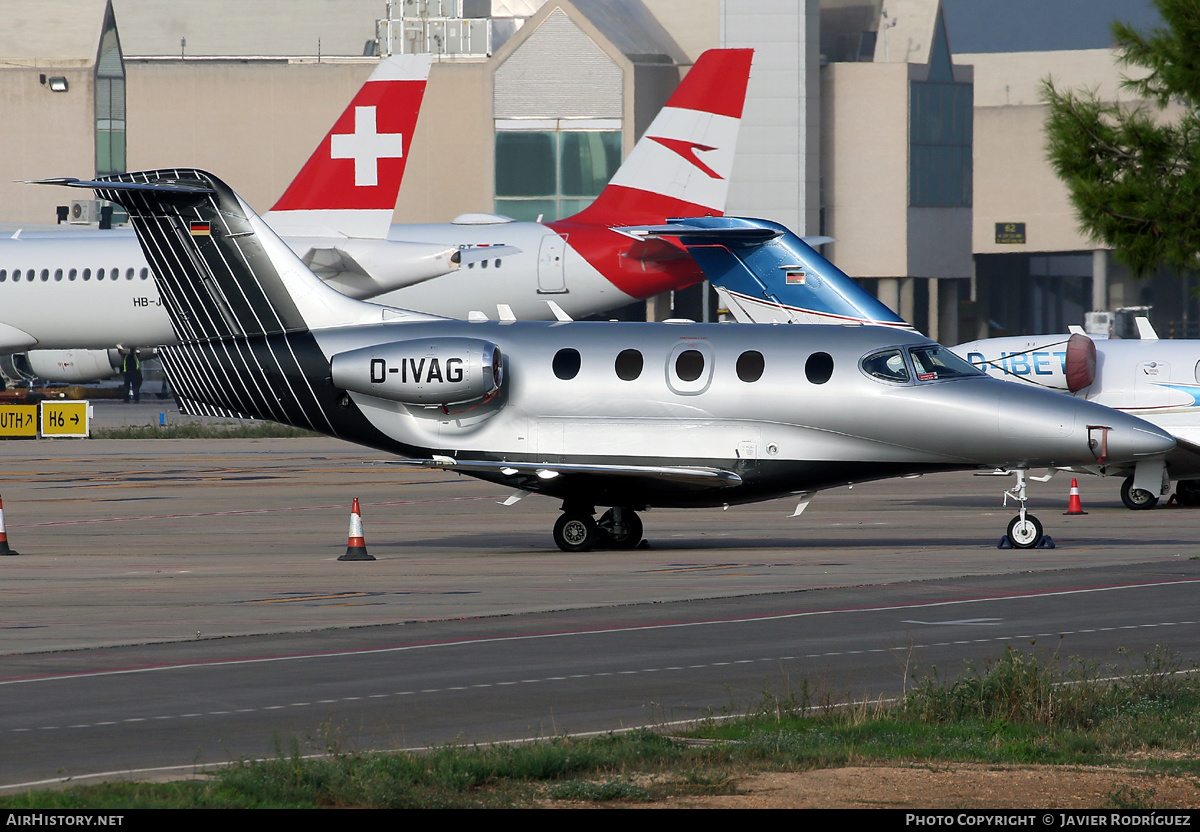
[[629, 537], [1188, 492], [576, 532], [1137, 498], [1024, 532]]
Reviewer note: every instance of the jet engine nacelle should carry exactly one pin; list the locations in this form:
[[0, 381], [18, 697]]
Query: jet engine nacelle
[[428, 372], [70, 366], [1049, 361]]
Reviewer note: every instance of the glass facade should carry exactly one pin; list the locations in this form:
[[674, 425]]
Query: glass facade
[[110, 102], [552, 174], [940, 119], [941, 114]]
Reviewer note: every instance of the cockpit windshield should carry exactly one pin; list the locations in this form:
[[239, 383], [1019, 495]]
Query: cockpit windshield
[[931, 363], [888, 365], [936, 363]]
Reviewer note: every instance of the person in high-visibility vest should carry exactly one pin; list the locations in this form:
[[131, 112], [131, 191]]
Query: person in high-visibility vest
[[131, 366]]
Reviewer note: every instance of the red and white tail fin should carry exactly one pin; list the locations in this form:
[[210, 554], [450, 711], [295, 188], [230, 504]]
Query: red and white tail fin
[[681, 166], [348, 187]]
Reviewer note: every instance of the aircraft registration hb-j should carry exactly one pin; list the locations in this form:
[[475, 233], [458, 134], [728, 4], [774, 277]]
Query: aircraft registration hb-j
[[766, 274], [68, 292], [624, 415]]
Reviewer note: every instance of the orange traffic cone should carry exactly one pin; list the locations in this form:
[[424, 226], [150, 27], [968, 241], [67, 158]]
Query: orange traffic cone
[[1073, 505], [356, 546], [4, 549]]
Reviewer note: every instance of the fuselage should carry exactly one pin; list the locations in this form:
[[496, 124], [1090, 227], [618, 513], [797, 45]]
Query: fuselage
[[787, 408], [94, 290]]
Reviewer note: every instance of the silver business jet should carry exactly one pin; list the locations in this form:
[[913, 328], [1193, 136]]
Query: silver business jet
[[624, 416]]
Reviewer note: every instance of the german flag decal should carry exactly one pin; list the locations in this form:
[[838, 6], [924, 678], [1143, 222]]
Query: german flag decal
[[200, 229]]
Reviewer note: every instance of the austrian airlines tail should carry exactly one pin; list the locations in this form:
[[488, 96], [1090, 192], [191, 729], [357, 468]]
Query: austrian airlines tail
[[681, 166], [349, 186]]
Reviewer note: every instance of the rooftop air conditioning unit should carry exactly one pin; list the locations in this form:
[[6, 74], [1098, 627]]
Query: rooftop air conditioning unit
[[84, 211]]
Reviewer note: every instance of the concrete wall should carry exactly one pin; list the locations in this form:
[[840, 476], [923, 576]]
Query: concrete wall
[[776, 171], [252, 124], [864, 150], [44, 134], [451, 163]]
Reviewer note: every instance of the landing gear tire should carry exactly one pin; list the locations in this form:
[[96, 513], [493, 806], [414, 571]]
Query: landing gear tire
[[1136, 498], [576, 532], [1188, 492], [631, 536], [1024, 532]]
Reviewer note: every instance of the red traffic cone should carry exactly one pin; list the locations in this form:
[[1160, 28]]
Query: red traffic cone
[[356, 546], [1073, 505], [4, 549]]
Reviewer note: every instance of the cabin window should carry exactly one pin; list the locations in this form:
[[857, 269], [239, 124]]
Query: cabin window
[[71, 274], [87, 274], [819, 367], [888, 365], [29, 275], [750, 365], [45, 275], [129, 274], [57, 275], [144, 273], [689, 365], [3, 275], [629, 365], [99, 274], [567, 363]]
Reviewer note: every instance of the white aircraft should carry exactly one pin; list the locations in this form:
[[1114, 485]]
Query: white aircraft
[[766, 274], [1156, 380], [93, 292]]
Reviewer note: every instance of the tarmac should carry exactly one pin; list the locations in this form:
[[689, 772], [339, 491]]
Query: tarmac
[[142, 541]]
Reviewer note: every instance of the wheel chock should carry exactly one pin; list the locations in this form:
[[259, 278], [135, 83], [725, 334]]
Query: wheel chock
[[1047, 542], [1004, 543]]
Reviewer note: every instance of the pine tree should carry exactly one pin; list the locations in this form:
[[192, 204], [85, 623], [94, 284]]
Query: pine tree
[[1133, 172]]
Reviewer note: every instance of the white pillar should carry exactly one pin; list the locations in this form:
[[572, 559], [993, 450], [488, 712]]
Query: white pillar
[[1099, 280]]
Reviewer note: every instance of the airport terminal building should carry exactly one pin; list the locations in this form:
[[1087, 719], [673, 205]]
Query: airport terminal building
[[861, 123]]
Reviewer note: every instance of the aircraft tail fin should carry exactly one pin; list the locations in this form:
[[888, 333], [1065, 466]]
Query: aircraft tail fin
[[682, 165], [242, 304], [349, 186], [772, 275]]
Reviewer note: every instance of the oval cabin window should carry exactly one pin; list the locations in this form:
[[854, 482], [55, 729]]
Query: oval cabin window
[[567, 363]]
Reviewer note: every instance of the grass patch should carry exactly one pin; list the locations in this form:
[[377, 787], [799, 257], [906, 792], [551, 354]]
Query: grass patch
[[1021, 708], [198, 430]]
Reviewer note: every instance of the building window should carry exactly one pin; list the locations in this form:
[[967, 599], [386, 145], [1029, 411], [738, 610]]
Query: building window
[[554, 173], [110, 103]]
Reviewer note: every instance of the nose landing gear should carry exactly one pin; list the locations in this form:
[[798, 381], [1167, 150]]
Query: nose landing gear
[[1024, 530]]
